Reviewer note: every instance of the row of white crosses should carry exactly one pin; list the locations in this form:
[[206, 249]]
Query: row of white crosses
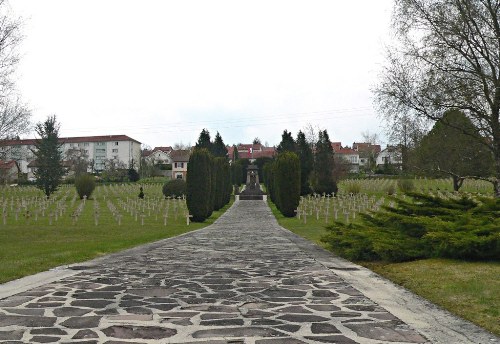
[[115, 197], [33, 207], [329, 206]]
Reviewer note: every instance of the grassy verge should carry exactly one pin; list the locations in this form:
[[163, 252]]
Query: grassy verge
[[26, 249], [467, 289]]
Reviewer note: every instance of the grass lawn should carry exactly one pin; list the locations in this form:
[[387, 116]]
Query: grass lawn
[[28, 247], [468, 289]]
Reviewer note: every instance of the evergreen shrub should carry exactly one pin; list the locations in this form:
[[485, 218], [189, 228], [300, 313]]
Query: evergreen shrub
[[174, 188], [85, 185], [422, 226]]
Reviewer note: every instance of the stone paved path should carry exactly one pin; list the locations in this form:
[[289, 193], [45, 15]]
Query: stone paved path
[[241, 280]]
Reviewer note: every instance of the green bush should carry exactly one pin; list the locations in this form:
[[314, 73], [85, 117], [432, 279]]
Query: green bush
[[199, 184], [422, 226], [287, 183], [85, 185], [174, 188]]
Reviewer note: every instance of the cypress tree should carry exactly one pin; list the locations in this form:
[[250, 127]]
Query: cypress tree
[[306, 158], [213, 185], [48, 156], [324, 181], [269, 180], [220, 182], [199, 184], [287, 180]]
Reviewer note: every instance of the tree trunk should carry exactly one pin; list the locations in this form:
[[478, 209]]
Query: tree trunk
[[457, 182]]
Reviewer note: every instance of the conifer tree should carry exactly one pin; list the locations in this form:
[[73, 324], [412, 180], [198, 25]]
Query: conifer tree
[[218, 147], [199, 184], [306, 158], [204, 140], [287, 183], [324, 181], [48, 155], [287, 143]]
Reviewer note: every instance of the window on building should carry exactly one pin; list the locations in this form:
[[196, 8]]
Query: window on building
[[116, 143], [100, 150], [179, 176], [115, 150]]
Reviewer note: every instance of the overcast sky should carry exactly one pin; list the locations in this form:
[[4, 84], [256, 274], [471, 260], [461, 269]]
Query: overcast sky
[[161, 71]]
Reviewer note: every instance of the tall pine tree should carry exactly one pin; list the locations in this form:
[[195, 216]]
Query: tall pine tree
[[204, 140], [287, 143], [218, 147], [48, 155]]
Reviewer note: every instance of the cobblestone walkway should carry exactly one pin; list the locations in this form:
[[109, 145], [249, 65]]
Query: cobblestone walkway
[[241, 280]]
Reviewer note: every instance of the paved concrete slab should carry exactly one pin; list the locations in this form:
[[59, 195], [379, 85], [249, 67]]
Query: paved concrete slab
[[242, 280]]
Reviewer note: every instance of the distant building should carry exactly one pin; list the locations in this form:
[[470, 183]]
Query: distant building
[[347, 156], [390, 156], [367, 153], [97, 150], [159, 155], [180, 159], [9, 171], [251, 151]]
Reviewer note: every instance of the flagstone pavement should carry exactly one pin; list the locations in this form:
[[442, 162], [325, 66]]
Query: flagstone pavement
[[243, 279]]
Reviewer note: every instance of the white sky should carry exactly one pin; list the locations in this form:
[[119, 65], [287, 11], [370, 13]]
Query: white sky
[[161, 71]]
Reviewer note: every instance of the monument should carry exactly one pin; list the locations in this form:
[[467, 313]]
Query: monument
[[252, 188]]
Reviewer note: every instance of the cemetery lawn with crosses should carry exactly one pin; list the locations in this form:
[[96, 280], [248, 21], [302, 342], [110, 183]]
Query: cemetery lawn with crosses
[[36, 235], [468, 289]]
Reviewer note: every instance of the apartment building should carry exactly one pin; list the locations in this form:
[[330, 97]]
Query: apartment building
[[98, 150]]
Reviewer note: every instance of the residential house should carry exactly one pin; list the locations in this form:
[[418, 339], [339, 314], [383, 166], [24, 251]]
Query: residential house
[[98, 150], [159, 156], [391, 155], [251, 152], [367, 154], [347, 156], [180, 159], [9, 171]]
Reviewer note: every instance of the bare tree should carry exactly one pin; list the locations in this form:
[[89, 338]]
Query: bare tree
[[78, 159], [368, 137], [311, 134], [182, 146], [14, 115], [447, 57]]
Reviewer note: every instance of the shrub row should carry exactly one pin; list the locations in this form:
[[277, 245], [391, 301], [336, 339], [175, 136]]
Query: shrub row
[[282, 179], [208, 184], [422, 226]]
